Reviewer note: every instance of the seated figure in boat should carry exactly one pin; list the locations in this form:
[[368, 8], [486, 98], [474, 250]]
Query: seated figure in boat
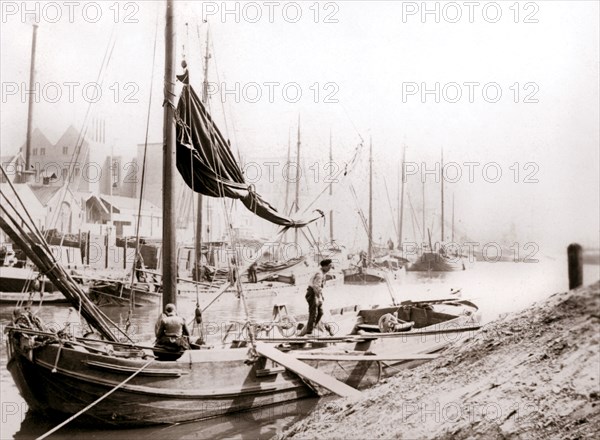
[[389, 323], [172, 335]]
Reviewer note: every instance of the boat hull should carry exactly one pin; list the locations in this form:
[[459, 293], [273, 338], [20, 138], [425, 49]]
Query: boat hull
[[14, 298], [16, 279], [433, 262], [363, 275], [201, 384], [118, 294]]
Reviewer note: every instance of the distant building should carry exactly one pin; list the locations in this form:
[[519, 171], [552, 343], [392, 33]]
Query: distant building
[[85, 158], [13, 166], [122, 213], [63, 209], [35, 208]]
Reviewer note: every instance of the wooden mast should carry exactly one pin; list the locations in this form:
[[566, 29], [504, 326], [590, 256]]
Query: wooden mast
[[198, 242], [370, 248], [442, 176], [287, 179], [30, 107], [452, 218], [330, 189], [401, 207], [169, 250], [423, 220], [297, 207]]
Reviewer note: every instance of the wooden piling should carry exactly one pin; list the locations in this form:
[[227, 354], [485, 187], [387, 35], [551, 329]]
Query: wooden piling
[[106, 251], [87, 247], [575, 258]]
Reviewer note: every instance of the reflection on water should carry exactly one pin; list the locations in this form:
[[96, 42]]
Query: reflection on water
[[497, 288], [262, 423]]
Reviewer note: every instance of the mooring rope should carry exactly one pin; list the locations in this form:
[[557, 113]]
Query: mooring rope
[[74, 416]]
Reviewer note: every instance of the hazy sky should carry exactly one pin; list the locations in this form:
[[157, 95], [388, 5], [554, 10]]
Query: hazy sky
[[372, 60]]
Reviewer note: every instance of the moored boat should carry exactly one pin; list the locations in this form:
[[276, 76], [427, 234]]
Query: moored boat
[[117, 383], [363, 275], [436, 262]]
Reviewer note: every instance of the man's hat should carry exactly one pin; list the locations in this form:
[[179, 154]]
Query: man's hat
[[326, 262], [170, 309]]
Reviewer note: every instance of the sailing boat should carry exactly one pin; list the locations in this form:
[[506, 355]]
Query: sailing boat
[[112, 382], [442, 260], [365, 272], [119, 383]]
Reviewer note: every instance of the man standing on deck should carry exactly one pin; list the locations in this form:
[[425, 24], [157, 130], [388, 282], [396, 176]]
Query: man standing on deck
[[314, 296], [252, 273], [140, 268]]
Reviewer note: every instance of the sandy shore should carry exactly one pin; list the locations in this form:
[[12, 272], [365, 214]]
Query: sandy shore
[[533, 374]]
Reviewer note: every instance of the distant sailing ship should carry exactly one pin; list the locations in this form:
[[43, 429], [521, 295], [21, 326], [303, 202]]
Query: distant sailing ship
[[442, 259], [365, 271]]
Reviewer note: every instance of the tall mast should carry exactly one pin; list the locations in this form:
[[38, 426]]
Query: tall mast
[[370, 248], [442, 176], [452, 217], [199, 212], [401, 207], [287, 180], [330, 188], [169, 251], [297, 180], [423, 210], [30, 110]]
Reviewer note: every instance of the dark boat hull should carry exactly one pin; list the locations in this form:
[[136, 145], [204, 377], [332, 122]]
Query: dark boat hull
[[118, 294], [363, 275], [16, 279], [201, 384], [14, 298], [433, 262]]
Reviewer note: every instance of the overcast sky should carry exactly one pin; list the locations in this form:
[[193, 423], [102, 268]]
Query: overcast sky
[[366, 65]]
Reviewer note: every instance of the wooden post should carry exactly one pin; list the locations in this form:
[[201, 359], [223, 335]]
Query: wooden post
[[87, 249], [124, 252], [106, 251], [575, 257]]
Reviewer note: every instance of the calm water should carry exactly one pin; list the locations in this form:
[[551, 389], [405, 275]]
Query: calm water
[[497, 288]]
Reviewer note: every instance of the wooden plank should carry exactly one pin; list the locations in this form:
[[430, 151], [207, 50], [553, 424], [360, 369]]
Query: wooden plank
[[419, 332], [129, 370], [362, 358], [269, 371], [306, 371], [302, 339]]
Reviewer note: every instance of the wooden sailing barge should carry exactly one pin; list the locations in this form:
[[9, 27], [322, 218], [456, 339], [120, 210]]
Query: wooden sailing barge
[[57, 373], [119, 382]]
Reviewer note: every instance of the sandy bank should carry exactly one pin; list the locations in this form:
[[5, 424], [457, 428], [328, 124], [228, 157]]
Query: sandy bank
[[532, 374]]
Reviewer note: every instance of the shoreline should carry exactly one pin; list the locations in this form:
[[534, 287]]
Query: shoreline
[[531, 374]]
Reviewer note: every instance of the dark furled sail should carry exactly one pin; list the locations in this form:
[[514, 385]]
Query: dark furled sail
[[206, 163]]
